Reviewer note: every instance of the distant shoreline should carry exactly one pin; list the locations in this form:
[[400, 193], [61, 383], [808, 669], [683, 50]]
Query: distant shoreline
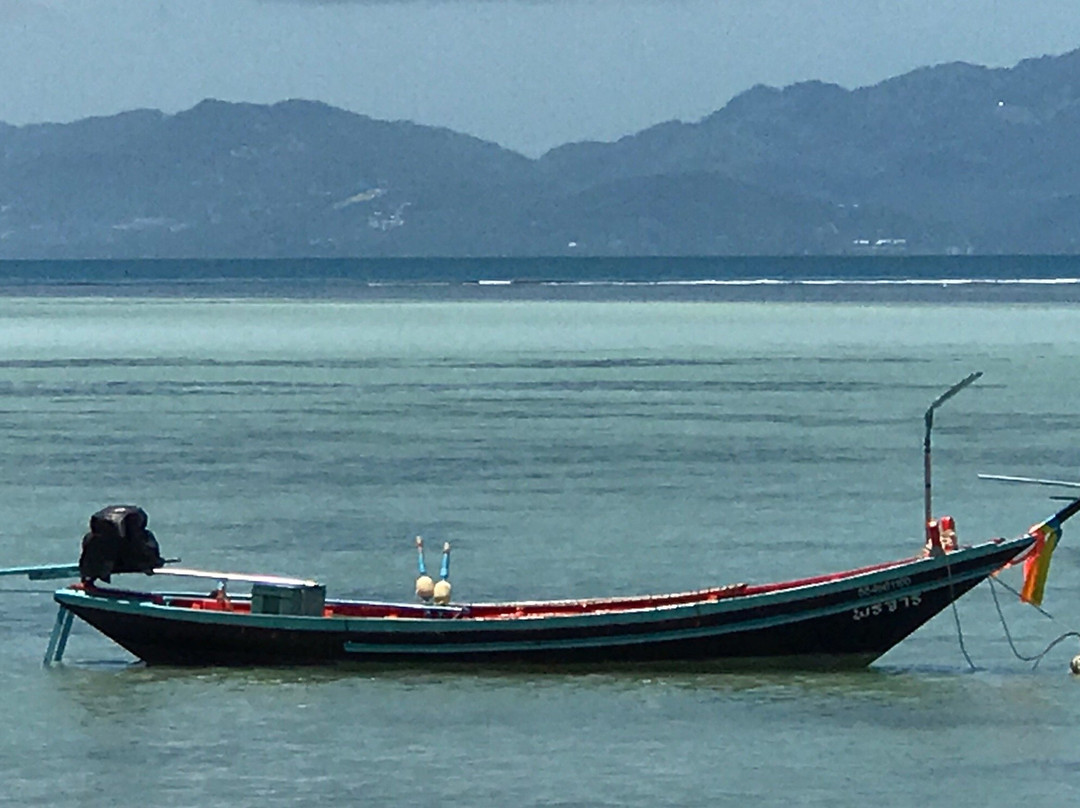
[[942, 279]]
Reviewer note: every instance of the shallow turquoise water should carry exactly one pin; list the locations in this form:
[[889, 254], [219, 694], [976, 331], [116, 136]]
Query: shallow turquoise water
[[566, 448]]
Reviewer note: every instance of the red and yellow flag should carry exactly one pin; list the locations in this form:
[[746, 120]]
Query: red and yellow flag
[[1037, 561]]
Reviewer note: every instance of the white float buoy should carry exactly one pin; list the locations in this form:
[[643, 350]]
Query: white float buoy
[[442, 592], [425, 587], [1074, 666]]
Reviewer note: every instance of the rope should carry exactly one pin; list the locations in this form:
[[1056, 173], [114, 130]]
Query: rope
[[1008, 635], [956, 616], [960, 634], [995, 580]]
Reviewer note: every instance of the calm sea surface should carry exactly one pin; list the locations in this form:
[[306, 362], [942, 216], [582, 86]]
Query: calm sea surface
[[569, 439]]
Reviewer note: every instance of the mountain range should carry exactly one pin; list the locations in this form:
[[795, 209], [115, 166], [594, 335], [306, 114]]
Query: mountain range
[[950, 159]]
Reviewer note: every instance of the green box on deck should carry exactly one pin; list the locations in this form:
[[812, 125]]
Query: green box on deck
[[288, 599]]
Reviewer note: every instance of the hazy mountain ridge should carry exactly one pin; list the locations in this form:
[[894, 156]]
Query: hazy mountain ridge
[[953, 158]]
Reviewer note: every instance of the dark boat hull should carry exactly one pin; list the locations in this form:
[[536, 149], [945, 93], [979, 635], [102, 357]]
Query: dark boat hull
[[841, 621]]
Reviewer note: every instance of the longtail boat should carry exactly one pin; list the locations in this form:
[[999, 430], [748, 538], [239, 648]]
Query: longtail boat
[[846, 619], [839, 620]]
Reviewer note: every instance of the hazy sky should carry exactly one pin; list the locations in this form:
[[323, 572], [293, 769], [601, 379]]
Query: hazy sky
[[529, 74]]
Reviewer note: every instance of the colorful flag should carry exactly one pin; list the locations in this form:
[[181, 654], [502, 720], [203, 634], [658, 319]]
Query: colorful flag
[[1037, 561]]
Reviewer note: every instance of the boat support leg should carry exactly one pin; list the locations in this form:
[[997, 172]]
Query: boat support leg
[[59, 637]]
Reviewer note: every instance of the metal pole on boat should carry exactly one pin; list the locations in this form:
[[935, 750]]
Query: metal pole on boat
[[441, 592], [952, 391], [59, 637], [425, 587], [444, 569], [420, 566], [43, 572], [1009, 478]]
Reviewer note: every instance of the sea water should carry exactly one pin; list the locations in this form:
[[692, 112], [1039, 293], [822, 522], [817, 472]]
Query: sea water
[[569, 440]]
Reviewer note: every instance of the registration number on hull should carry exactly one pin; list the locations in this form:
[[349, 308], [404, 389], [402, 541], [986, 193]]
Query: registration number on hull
[[885, 607]]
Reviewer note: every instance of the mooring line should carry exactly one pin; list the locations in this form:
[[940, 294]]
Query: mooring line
[[994, 579], [956, 616], [1008, 635]]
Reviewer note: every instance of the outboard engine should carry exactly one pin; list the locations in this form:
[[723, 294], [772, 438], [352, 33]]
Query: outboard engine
[[118, 541]]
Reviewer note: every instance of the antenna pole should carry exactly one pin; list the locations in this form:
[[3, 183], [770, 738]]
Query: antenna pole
[[929, 419]]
